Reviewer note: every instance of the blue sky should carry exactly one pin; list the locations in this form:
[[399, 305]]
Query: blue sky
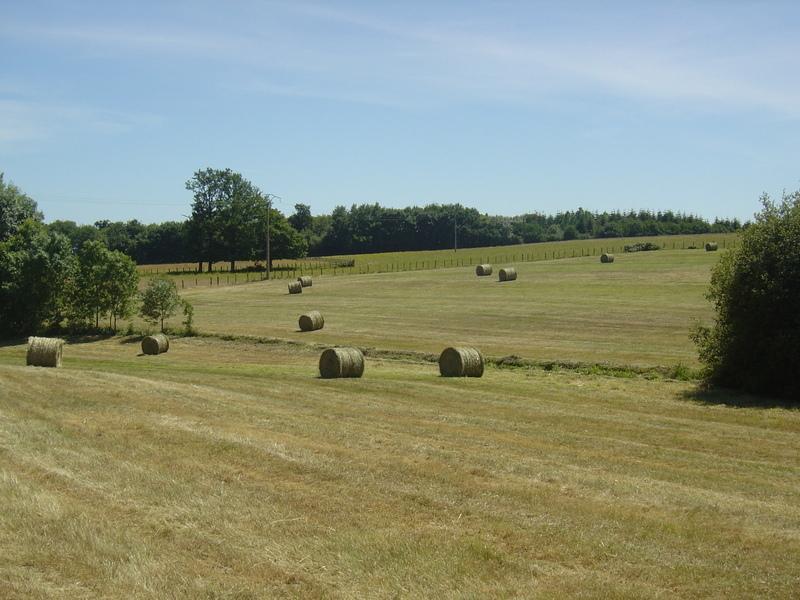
[[107, 108]]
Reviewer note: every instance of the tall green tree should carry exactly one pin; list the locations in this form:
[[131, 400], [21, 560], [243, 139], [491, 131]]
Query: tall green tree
[[229, 220], [225, 213], [754, 343], [15, 208], [301, 219], [36, 267], [90, 298], [121, 284], [209, 187]]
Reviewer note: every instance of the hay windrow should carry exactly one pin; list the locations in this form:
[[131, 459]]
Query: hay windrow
[[155, 344], [483, 270], [461, 362], [606, 258], [711, 246], [311, 321], [295, 287], [507, 274], [305, 280], [44, 352], [341, 362]]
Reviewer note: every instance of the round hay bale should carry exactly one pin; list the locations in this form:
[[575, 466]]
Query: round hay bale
[[711, 246], [461, 362], [305, 280], [155, 344], [295, 287], [606, 258], [508, 274], [341, 362], [483, 270], [312, 321], [44, 352]]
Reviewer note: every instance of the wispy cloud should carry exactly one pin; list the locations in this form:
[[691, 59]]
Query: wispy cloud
[[30, 121], [361, 57]]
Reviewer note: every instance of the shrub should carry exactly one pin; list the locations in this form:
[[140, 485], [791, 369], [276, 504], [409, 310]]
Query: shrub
[[160, 300], [754, 343], [642, 247]]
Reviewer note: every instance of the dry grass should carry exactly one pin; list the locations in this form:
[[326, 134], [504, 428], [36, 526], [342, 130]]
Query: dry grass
[[640, 312], [230, 471]]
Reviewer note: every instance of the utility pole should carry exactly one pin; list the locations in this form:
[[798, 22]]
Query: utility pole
[[455, 234], [269, 209]]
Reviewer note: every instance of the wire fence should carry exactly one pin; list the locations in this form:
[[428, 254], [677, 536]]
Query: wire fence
[[289, 271]]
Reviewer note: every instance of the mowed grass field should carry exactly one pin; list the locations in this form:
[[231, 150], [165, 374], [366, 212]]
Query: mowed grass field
[[636, 311], [185, 276], [226, 468], [229, 470]]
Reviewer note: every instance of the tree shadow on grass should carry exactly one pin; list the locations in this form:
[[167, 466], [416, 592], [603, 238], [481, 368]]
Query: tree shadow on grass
[[704, 394], [86, 338], [72, 338]]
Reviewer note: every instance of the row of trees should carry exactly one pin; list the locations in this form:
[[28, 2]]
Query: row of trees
[[46, 283], [230, 217], [372, 228]]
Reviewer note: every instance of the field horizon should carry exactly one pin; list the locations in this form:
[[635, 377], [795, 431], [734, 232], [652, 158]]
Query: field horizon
[[581, 464]]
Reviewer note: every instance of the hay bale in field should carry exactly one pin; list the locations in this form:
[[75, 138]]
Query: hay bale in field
[[606, 258], [341, 362], [44, 352], [295, 287], [508, 274], [311, 321], [155, 344], [483, 270], [305, 280], [461, 362], [711, 246]]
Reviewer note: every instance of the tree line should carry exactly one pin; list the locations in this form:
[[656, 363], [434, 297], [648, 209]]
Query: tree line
[[46, 282], [367, 228], [229, 217]]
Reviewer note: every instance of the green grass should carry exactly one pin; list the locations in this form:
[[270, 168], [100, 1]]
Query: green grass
[[392, 262], [636, 311], [229, 470]]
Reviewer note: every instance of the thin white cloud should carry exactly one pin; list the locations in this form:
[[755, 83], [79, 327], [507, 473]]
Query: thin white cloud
[[31, 121], [363, 58], [294, 91]]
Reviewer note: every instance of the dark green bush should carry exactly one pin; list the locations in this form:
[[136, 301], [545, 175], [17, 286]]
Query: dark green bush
[[754, 343], [642, 247]]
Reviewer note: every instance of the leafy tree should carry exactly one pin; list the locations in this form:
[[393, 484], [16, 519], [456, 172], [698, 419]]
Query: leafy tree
[[121, 283], [160, 300], [209, 187], [570, 232], [285, 242], [77, 234], [301, 219], [90, 298], [754, 343], [15, 209], [225, 211], [35, 268]]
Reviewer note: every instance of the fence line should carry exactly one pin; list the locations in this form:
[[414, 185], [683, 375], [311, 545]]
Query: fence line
[[322, 269]]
